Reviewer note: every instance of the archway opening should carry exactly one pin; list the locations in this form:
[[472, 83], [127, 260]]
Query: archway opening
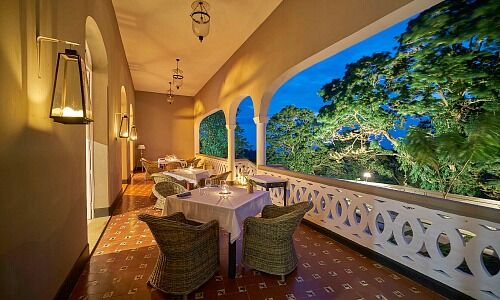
[[123, 143], [245, 133], [131, 154], [213, 135], [98, 198], [368, 112]]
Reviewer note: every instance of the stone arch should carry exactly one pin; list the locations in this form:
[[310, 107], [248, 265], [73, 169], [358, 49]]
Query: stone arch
[[95, 42], [233, 108], [371, 29]]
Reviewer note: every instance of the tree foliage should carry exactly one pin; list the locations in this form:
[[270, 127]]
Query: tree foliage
[[443, 77], [213, 137]]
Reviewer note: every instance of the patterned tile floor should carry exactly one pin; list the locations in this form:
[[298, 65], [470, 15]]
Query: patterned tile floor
[[127, 252]]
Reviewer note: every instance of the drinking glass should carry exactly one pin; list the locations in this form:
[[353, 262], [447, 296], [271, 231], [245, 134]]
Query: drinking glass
[[208, 182]]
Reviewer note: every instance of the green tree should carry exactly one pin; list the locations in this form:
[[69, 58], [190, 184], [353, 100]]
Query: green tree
[[445, 73], [213, 135], [292, 141]]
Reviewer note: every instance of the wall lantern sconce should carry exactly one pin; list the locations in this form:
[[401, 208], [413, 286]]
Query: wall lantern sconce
[[133, 133], [124, 127], [70, 96], [200, 19]]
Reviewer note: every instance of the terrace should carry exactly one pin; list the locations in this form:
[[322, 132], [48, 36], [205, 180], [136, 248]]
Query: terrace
[[361, 240]]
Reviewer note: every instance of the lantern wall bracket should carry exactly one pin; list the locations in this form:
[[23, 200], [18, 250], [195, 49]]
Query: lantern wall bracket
[[41, 38]]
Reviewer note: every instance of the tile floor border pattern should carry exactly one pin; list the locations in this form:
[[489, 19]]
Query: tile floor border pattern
[[127, 253]]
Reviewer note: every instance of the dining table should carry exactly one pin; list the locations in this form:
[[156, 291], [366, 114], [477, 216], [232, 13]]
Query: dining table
[[163, 161], [191, 175], [229, 208]]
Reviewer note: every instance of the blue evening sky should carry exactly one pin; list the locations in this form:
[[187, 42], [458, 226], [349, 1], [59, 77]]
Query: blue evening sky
[[302, 89]]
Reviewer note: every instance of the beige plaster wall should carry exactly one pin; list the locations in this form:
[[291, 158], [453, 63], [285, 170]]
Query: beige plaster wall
[[164, 128], [296, 35], [42, 163]]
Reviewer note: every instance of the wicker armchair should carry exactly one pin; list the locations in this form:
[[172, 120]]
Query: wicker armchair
[[164, 189], [190, 161], [267, 241], [172, 166], [151, 167], [189, 253], [160, 177], [216, 179]]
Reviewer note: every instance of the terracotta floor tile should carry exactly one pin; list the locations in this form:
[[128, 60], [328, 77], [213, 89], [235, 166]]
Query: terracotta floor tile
[[127, 253]]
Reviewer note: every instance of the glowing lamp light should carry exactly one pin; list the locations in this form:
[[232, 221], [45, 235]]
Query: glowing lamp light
[[367, 175], [133, 133], [124, 127], [70, 97], [200, 19], [224, 187]]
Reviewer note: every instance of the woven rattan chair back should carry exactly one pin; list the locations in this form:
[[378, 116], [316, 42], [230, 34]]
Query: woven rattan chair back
[[164, 189], [189, 253], [267, 241], [151, 167], [172, 166]]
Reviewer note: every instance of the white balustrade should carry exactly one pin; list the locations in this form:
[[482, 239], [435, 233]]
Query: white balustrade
[[217, 164], [448, 247]]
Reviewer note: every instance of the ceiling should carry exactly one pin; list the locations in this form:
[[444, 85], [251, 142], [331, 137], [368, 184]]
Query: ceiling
[[156, 32]]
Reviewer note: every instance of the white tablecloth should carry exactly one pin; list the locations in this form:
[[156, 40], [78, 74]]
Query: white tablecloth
[[164, 161], [193, 176], [230, 211]]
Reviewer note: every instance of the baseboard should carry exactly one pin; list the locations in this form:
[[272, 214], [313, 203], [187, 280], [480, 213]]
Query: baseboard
[[108, 211], [69, 283], [424, 280]]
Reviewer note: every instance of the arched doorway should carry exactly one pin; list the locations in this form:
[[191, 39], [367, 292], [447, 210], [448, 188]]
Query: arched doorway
[[97, 132], [131, 142], [123, 143]]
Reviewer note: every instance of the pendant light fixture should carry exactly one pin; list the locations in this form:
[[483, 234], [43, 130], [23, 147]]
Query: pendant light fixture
[[70, 96], [200, 19], [170, 94], [177, 77]]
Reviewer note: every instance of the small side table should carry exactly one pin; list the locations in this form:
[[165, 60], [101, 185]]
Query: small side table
[[269, 182]]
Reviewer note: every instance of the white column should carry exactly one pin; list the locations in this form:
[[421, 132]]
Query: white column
[[230, 150], [261, 124]]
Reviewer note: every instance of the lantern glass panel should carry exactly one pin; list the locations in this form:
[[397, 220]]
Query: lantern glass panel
[[70, 101], [124, 127], [201, 29], [133, 133]]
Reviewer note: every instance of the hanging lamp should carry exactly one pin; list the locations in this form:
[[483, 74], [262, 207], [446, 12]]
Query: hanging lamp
[[177, 77], [70, 96], [124, 127], [200, 19], [170, 94], [133, 133]]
